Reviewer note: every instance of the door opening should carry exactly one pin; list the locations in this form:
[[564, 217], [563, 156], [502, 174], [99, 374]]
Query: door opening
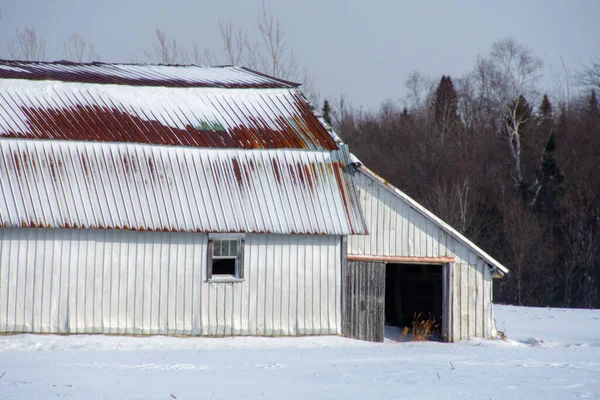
[[413, 293]]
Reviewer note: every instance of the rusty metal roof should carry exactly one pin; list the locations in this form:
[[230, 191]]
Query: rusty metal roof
[[61, 184], [198, 117], [140, 74]]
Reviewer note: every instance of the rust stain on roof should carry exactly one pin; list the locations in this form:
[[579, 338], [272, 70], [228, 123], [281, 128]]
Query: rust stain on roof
[[107, 124], [128, 186], [166, 105], [276, 170]]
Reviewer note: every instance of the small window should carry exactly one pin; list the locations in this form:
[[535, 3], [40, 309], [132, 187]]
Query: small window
[[225, 258]]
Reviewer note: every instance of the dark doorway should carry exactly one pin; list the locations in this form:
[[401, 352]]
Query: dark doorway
[[410, 290]]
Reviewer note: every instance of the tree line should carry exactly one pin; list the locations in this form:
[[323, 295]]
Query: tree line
[[514, 169]]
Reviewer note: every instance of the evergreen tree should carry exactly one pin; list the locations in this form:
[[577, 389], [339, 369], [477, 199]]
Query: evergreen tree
[[549, 183], [326, 112], [592, 105], [445, 106], [545, 113], [551, 179], [545, 107]]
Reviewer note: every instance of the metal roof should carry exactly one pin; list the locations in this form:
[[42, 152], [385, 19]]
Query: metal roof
[[59, 184], [140, 74], [199, 117]]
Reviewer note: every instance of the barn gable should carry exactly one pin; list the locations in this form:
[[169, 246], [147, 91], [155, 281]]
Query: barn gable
[[453, 277], [403, 227]]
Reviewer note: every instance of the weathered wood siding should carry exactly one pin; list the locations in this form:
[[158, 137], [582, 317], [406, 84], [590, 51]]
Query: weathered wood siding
[[123, 282], [397, 229], [364, 298]]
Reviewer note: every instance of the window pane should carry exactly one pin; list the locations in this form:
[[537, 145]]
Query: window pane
[[233, 248], [224, 267], [216, 248], [225, 247]]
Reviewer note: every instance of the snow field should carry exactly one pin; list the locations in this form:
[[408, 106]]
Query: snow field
[[550, 354]]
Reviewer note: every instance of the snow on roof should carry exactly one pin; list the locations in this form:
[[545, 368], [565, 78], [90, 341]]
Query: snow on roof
[[74, 184], [141, 74], [213, 117]]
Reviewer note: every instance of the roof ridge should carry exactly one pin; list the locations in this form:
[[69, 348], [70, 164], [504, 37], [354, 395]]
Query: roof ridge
[[133, 74]]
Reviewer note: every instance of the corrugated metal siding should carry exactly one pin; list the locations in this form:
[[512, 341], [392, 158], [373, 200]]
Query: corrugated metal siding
[[397, 229], [140, 75], [102, 281], [198, 117], [163, 188]]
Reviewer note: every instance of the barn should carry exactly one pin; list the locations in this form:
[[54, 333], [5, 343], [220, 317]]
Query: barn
[[186, 200]]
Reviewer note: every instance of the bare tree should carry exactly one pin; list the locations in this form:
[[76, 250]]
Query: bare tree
[[77, 49], [27, 46], [199, 56], [271, 54], [268, 54], [235, 42], [590, 75], [165, 51], [526, 252], [453, 203], [419, 88], [562, 92], [507, 77]]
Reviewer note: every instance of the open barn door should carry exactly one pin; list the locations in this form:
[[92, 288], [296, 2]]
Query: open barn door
[[364, 298]]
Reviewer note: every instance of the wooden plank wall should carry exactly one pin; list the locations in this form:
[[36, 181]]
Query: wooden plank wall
[[123, 282], [397, 229], [364, 297]]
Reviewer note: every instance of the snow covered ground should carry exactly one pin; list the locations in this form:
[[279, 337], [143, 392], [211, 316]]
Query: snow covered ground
[[550, 354]]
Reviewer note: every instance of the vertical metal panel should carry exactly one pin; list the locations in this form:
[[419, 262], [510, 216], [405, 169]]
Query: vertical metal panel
[[472, 297], [489, 330], [479, 293], [110, 281], [395, 228]]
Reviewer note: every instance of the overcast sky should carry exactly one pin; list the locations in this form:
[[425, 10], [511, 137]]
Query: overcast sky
[[363, 49]]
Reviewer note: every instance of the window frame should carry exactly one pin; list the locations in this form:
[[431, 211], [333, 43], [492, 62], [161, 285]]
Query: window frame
[[239, 260]]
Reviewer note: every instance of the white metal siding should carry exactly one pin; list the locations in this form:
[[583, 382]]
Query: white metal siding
[[111, 281], [398, 229]]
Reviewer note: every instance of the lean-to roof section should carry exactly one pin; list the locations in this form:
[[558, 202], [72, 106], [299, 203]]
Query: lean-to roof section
[[209, 117], [58, 184]]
